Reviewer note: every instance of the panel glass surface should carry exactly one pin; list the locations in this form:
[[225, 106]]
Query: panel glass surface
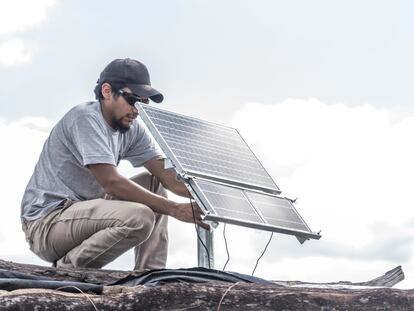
[[276, 211], [209, 149], [245, 205], [228, 202]]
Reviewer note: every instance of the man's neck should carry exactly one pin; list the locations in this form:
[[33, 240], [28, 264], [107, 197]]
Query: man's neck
[[106, 112]]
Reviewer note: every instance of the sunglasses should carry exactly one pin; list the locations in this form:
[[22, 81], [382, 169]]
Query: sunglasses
[[132, 98]]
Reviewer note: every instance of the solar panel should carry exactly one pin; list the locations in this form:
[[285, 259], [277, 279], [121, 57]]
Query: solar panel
[[253, 209], [202, 148], [222, 173]]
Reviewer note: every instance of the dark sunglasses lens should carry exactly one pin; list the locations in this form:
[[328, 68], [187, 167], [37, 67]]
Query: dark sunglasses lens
[[131, 99]]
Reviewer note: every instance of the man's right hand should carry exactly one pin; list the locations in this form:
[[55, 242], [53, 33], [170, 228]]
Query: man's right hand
[[184, 212]]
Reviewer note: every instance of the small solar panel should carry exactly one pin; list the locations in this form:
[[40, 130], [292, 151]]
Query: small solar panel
[[248, 208], [201, 148]]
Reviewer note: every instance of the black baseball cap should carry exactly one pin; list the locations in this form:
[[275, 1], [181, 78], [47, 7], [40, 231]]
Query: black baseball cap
[[134, 74]]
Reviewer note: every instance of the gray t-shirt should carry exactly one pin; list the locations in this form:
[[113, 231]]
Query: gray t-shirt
[[80, 138]]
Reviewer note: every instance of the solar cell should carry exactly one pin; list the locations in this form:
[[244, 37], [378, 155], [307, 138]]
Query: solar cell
[[202, 148], [228, 202], [277, 211]]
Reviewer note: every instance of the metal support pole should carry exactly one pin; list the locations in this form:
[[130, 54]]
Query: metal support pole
[[203, 258]]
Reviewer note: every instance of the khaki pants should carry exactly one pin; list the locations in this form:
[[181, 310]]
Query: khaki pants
[[93, 233]]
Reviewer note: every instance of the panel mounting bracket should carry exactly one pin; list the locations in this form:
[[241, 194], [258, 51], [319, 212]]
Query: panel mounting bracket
[[168, 164]]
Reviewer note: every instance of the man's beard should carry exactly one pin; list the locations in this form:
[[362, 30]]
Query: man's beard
[[119, 126]]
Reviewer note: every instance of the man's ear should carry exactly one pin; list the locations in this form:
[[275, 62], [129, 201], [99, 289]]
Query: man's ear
[[106, 90]]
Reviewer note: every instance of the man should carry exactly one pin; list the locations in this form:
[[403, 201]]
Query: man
[[77, 210]]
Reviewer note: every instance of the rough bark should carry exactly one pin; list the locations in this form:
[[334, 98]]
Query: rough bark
[[96, 276], [187, 296], [179, 296]]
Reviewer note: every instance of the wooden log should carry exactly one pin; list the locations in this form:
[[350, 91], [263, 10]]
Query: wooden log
[[388, 279], [103, 277], [216, 296], [205, 296], [96, 276]]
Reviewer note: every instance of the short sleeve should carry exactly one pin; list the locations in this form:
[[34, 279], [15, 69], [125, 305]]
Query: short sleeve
[[142, 147], [90, 141]]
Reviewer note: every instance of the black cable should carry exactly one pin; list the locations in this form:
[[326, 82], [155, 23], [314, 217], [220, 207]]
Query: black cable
[[257, 262], [198, 236], [227, 249]]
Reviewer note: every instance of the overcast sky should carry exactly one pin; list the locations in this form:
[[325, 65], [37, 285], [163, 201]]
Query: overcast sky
[[321, 90]]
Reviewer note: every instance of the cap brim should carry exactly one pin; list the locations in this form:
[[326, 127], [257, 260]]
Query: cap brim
[[146, 91]]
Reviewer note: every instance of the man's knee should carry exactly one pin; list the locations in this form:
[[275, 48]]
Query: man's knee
[[141, 223]]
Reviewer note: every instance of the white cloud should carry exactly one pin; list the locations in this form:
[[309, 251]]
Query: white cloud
[[352, 170], [21, 147], [40, 124], [19, 15], [14, 52]]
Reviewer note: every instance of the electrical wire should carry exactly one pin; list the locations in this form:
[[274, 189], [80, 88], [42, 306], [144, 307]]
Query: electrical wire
[[227, 249], [225, 293], [198, 236], [83, 294], [264, 251]]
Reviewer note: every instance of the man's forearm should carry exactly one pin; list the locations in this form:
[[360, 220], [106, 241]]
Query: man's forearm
[[127, 190], [170, 182], [178, 188], [168, 177]]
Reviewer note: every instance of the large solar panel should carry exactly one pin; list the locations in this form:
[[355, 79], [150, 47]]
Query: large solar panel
[[223, 174], [202, 148], [249, 208]]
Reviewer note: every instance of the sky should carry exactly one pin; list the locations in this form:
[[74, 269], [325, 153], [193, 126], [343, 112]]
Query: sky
[[320, 90]]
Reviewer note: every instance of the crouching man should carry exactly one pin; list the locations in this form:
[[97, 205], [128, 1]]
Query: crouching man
[[77, 210]]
